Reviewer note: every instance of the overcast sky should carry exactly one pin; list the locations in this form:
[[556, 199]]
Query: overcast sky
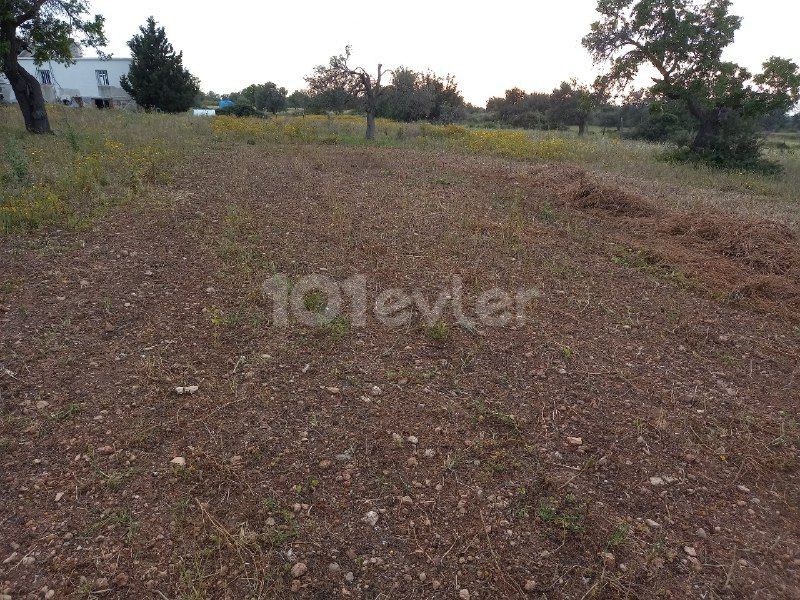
[[488, 46]]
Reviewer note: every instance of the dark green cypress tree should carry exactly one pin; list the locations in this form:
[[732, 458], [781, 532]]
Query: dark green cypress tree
[[157, 78]]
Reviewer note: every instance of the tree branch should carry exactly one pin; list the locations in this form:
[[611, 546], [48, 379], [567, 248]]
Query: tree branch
[[30, 13], [652, 59]]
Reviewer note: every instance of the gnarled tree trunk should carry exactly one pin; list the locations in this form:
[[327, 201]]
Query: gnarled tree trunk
[[371, 103], [371, 92], [710, 128], [582, 122], [710, 125], [370, 123], [29, 95]]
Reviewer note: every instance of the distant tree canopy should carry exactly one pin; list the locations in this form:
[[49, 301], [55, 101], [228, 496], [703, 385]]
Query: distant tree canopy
[[416, 96], [298, 100], [682, 41], [664, 120], [264, 97], [776, 120], [573, 103], [48, 29], [569, 104], [334, 98], [206, 98], [521, 109], [157, 78]]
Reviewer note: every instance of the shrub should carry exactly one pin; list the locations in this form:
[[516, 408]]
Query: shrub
[[239, 110], [737, 146], [665, 122]]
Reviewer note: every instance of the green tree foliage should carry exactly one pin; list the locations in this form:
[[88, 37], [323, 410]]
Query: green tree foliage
[[335, 99], [416, 96], [298, 100], [665, 121], [264, 97], [406, 99], [682, 41], [521, 109], [569, 104], [608, 116], [572, 104], [47, 29], [240, 110], [157, 78], [448, 103], [774, 120], [634, 109]]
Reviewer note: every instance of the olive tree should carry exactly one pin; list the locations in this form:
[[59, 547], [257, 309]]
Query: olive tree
[[48, 29], [267, 96], [414, 96], [339, 75], [572, 103], [681, 42]]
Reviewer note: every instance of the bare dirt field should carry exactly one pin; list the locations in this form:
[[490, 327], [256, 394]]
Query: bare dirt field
[[637, 436]]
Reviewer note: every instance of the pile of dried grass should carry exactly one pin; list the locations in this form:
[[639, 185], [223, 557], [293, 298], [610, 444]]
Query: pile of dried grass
[[607, 200], [744, 259], [765, 246]]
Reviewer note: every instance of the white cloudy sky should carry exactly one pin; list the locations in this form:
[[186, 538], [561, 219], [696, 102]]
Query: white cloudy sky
[[489, 46]]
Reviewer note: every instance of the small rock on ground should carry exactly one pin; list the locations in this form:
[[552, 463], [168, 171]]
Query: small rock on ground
[[299, 569]]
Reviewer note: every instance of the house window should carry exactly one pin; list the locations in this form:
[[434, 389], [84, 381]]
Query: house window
[[102, 77], [45, 77]]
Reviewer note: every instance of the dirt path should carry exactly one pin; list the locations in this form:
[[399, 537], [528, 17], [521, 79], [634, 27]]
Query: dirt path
[[383, 461]]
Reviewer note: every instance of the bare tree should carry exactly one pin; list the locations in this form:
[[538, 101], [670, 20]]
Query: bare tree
[[338, 74]]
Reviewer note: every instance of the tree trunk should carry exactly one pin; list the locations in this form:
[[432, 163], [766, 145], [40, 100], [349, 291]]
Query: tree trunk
[[582, 126], [370, 123], [29, 95], [710, 125], [708, 131]]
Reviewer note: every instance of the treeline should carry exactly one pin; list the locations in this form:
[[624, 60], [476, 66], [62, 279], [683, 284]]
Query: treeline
[[414, 96], [568, 105], [714, 111], [410, 96]]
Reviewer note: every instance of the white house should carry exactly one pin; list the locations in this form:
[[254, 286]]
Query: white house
[[88, 82]]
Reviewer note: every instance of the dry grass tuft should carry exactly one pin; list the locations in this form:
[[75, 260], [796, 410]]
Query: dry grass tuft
[[745, 259], [603, 199], [765, 246]]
